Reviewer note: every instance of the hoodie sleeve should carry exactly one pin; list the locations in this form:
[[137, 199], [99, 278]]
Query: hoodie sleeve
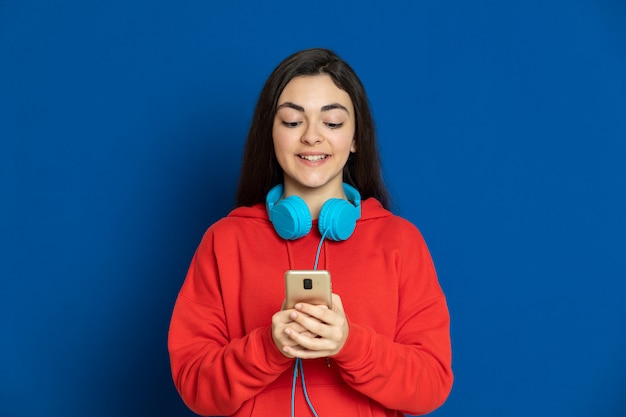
[[412, 372], [214, 373]]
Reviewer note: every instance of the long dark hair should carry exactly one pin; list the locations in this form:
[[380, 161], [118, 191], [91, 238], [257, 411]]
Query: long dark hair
[[260, 170]]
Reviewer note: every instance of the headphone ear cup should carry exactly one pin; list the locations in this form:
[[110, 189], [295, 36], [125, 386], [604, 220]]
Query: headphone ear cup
[[291, 218], [337, 219]]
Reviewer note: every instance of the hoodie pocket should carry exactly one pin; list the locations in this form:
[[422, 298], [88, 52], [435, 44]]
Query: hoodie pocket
[[328, 401]]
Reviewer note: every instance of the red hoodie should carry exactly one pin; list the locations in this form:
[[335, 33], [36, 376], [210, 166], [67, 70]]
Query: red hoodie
[[397, 355]]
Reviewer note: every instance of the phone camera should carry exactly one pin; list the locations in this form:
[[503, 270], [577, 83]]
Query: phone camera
[[308, 283]]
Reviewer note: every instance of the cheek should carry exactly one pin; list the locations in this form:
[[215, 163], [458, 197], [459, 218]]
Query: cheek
[[278, 141], [281, 146], [349, 143], [284, 138], [277, 137]]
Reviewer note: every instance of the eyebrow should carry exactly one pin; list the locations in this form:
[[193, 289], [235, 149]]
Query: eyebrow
[[327, 107]]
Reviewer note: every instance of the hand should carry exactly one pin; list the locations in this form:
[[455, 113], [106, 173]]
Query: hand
[[282, 321], [314, 331]]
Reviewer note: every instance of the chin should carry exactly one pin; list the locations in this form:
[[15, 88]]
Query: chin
[[314, 184]]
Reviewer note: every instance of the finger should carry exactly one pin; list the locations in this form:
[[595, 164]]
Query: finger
[[297, 328], [281, 317], [303, 353], [319, 320], [330, 325], [309, 323], [316, 343], [337, 304]]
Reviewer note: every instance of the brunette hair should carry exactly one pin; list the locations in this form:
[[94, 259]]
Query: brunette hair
[[260, 170]]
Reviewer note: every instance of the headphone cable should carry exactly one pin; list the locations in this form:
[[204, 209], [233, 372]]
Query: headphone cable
[[319, 248], [298, 365]]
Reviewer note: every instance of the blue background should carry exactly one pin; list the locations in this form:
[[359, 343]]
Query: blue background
[[502, 128]]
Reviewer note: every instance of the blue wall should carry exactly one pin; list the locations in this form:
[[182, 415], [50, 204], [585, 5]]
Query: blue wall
[[503, 132]]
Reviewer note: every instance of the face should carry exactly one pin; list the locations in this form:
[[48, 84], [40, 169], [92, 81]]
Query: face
[[313, 135]]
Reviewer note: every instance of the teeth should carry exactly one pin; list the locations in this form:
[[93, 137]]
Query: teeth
[[313, 158]]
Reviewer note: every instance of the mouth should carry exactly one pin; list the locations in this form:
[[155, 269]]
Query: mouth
[[313, 158]]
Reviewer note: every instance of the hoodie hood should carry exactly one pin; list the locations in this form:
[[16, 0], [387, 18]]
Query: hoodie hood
[[370, 209]]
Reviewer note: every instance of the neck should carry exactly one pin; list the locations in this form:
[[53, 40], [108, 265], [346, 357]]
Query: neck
[[315, 197]]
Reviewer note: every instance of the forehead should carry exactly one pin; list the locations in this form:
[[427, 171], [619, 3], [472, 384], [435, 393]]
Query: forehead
[[316, 90]]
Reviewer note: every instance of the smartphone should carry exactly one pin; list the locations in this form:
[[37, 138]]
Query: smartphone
[[312, 287]]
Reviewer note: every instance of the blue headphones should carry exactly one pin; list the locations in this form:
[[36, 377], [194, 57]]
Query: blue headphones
[[292, 220]]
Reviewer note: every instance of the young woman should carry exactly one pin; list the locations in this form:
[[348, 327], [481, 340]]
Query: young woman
[[311, 196]]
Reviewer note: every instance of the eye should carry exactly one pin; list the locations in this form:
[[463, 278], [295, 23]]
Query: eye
[[334, 125], [291, 124]]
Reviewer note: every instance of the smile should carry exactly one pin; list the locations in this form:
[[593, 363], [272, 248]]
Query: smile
[[313, 158]]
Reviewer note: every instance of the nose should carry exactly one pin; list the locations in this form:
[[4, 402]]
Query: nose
[[312, 135]]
